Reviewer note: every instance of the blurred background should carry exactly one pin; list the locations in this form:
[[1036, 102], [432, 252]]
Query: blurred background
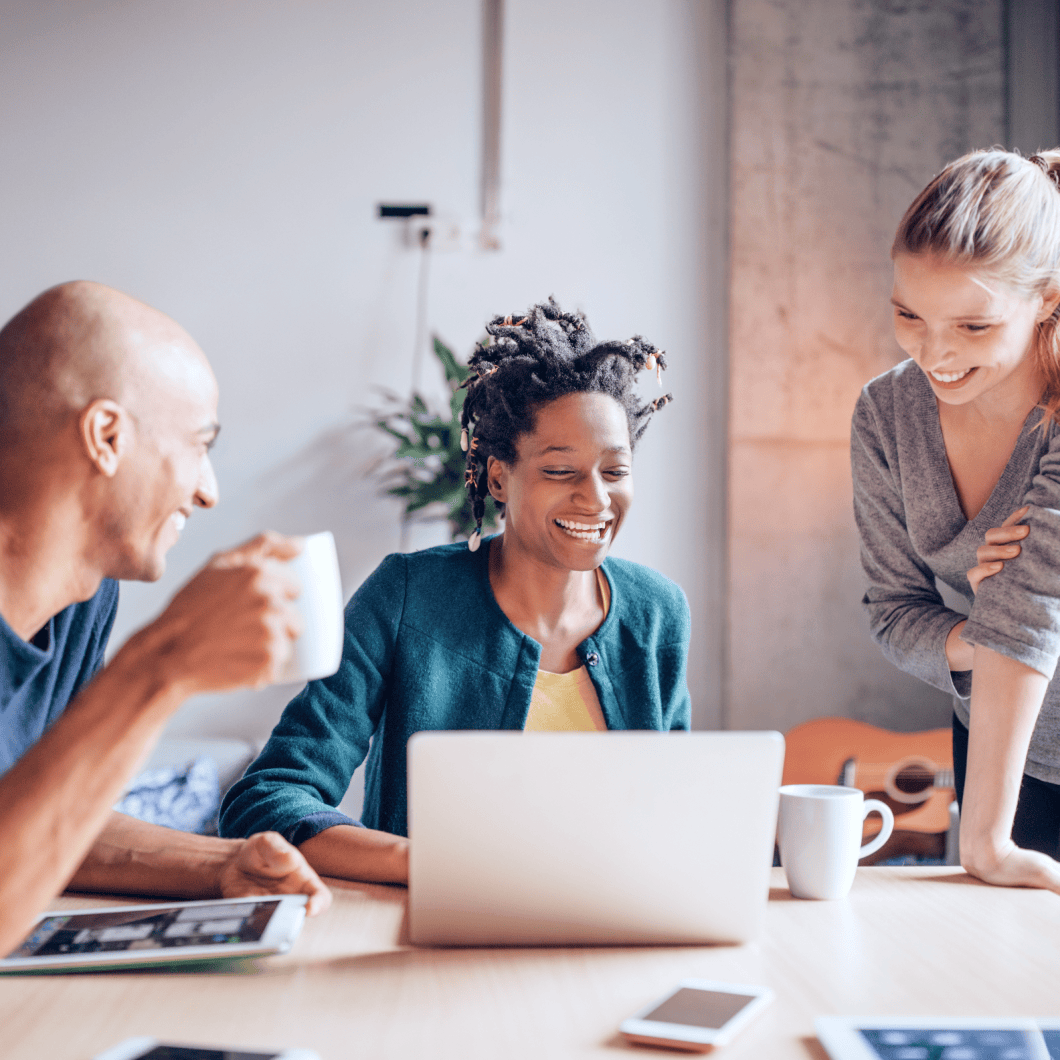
[[721, 177]]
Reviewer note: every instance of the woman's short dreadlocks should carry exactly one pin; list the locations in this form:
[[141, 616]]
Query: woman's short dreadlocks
[[530, 361]]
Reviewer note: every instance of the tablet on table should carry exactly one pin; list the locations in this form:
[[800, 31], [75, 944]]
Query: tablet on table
[[159, 933], [938, 1038]]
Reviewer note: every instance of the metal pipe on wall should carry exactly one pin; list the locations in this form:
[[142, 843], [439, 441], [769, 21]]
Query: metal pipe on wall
[[492, 84]]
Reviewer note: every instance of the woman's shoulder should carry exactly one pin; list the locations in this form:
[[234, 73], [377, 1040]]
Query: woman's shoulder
[[643, 595], [453, 556], [431, 570], [442, 591], [899, 394], [903, 380]]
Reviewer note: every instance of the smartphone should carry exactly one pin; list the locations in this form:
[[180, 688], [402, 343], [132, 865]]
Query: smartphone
[[697, 1015], [153, 1049]]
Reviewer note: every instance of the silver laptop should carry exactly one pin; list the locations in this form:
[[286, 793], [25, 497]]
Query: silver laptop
[[589, 838]]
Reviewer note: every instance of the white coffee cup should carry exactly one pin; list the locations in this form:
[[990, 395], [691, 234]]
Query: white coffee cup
[[819, 834], [317, 651]]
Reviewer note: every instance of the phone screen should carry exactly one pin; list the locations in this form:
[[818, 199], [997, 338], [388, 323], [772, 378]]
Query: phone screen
[[711, 1009], [200, 925], [184, 1052]]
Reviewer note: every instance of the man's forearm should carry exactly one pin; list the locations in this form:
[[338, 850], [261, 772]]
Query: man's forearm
[[133, 857], [363, 854], [230, 627], [1006, 699], [56, 799]]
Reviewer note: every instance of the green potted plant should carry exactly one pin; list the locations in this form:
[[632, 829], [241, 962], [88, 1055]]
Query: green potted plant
[[426, 470]]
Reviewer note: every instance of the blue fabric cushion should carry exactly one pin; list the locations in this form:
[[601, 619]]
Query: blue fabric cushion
[[183, 798]]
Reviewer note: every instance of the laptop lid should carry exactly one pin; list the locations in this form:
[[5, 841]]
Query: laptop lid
[[590, 838]]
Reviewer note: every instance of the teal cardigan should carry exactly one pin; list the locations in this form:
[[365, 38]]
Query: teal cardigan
[[428, 647]]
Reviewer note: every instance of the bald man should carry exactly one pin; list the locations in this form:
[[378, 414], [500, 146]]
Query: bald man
[[108, 410]]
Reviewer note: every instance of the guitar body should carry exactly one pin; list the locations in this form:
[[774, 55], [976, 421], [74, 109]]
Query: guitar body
[[910, 771]]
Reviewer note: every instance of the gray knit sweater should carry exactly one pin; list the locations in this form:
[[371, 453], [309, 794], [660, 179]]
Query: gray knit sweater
[[913, 531]]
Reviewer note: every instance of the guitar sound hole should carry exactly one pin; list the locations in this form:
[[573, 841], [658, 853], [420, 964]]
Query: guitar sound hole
[[912, 780]]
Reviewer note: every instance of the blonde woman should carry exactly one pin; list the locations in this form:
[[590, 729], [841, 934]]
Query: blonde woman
[[956, 463]]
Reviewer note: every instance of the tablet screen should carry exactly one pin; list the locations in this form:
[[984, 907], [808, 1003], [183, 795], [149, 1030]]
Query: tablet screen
[[151, 929], [922, 1043]]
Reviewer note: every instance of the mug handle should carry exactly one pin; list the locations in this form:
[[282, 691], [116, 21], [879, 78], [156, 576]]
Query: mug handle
[[875, 843]]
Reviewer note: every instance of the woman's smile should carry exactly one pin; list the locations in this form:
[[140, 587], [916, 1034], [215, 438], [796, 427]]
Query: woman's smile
[[572, 484], [951, 380], [947, 314], [593, 533]]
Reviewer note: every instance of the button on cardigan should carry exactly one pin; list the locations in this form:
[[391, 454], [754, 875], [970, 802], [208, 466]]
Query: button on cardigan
[[428, 648]]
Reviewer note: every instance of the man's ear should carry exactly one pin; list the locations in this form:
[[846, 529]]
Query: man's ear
[[497, 479], [105, 429]]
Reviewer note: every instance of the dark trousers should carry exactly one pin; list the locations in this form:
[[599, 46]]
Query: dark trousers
[[1037, 823]]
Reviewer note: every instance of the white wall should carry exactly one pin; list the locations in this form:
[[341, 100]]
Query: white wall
[[223, 161]]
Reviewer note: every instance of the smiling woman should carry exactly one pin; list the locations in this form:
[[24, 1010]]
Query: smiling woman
[[956, 462], [537, 629]]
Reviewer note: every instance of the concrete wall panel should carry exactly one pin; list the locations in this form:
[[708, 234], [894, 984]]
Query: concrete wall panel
[[841, 111]]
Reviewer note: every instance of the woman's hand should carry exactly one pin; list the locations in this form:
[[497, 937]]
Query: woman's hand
[[1000, 546], [1013, 866], [1006, 699]]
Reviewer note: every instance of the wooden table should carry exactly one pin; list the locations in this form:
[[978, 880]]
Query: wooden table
[[906, 941]]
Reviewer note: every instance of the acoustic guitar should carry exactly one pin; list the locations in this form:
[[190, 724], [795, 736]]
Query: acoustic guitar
[[910, 771]]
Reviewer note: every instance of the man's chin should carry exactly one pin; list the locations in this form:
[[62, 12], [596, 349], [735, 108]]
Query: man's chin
[[154, 570], [141, 569]]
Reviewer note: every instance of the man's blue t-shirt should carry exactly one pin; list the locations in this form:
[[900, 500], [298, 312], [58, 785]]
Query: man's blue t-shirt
[[38, 678]]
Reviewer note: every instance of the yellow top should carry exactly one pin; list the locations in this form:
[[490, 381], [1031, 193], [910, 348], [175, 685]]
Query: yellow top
[[565, 703], [568, 702]]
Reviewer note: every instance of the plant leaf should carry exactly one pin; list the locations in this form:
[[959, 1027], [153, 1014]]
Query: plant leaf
[[429, 479], [455, 373]]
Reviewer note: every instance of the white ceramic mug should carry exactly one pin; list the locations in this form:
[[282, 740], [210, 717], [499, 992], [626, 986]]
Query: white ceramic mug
[[318, 650], [819, 834]]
